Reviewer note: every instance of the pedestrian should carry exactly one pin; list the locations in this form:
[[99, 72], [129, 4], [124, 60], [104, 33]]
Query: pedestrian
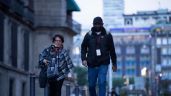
[[58, 64], [96, 50], [113, 93]]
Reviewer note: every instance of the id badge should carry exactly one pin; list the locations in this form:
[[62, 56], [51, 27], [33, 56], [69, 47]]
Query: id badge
[[98, 53], [52, 68]]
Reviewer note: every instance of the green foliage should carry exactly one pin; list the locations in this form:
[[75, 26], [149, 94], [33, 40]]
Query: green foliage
[[81, 75], [131, 80], [123, 93], [118, 82]]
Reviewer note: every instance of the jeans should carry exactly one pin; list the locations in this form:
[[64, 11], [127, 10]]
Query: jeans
[[97, 73]]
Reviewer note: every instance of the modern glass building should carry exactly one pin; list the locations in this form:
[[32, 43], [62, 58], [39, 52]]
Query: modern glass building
[[113, 11]]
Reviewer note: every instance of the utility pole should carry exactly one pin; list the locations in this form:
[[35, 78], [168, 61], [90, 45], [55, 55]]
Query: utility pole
[[153, 74], [110, 79]]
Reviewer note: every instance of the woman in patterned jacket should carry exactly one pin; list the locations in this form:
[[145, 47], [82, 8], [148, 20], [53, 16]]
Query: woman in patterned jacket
[[58, 64]]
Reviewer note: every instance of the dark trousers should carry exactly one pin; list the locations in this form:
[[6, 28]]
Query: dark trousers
[[55, 87]]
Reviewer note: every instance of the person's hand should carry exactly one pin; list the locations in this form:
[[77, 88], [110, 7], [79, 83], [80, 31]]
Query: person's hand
[[46, 62], [114, 68], [85, 63]]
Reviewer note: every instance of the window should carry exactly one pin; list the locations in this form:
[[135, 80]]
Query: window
[[14, 44], [119, 63], [118, 50], [169, 51], [130, 62], [23, 90], [130, 50], [128, 21], [169, 40], [145, 50], [155, 17], [159, 41], [164, 51], [136, 18], [144, 18], [11, 87], [164, 61], [170, 19], [1, 37], [164, 41], [144, 61], [166, 75], [26, 51], [169, 62]]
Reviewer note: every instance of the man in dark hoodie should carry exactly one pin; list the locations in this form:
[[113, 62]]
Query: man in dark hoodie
[[97, 49]]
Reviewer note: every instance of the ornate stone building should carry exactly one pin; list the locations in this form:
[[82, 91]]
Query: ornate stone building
[[26, 28]]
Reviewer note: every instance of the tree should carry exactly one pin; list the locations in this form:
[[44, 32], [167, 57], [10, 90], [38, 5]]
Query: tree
[[118, 82], [81, 75]]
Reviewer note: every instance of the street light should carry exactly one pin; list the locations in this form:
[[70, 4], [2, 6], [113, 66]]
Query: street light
[[144, 72]]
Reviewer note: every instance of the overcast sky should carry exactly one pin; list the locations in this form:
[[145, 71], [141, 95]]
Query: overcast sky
[[93, 8]]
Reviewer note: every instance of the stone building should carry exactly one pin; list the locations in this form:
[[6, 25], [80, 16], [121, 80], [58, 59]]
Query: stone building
[[26, 28]]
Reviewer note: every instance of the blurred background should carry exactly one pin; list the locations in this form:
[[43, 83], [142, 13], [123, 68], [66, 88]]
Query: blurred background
[[141, 32]]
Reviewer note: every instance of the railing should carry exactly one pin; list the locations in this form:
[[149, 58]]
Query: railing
[[69, 89]]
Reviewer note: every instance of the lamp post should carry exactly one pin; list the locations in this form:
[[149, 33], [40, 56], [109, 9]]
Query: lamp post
[[110, 85], [153, 62], [145, 74]]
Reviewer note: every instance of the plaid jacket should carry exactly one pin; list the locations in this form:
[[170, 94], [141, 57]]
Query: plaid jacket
[[59, 63]]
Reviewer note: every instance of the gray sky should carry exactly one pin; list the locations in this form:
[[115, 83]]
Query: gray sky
[[93, 8]]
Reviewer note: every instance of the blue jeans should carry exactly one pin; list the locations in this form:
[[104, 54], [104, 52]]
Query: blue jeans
[[94, 74]]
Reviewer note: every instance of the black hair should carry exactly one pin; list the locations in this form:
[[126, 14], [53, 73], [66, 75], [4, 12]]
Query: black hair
[[60, 36]]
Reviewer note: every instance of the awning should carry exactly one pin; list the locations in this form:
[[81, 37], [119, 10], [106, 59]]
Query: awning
[[72, 6]]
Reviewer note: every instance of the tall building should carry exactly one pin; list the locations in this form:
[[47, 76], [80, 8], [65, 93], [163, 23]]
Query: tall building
[[113, 11], [139, 26], [161, 34], [133, 52], [145, 20], [144, 42], [27, 27]]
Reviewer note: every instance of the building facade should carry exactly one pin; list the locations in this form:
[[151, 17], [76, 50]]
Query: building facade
[[144, 42], [16, 18], [139, 26], [27, 27], [113, 11], [146, 18], [133, 53], [161, 34]]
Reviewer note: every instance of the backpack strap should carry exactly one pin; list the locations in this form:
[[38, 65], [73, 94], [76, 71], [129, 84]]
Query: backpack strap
[[107, 32], [90, 32]]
